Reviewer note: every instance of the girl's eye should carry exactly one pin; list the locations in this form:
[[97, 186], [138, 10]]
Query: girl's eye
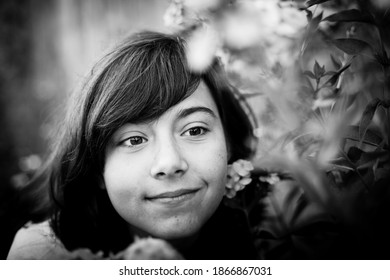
[[134, 141], [196, 131]]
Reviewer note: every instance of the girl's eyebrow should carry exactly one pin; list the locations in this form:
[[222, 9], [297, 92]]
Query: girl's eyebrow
[[191, 110]]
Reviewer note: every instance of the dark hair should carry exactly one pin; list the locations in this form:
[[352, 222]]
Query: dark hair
[[138, 81]]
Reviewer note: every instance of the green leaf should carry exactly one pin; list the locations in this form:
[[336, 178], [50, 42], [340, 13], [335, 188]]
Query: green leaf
[[308, 87], [343, 163], [345, 67], [381, 174], [301, 205], [313, 25], [318, 70], [309, 74], [351, 46], [379, 155], [367, 117], [375, 169], [354, 154], [333, 79], [310, 3], [336, 62], [351, 15], [382, 58], [330, 73], [352, 133], [309, 15]]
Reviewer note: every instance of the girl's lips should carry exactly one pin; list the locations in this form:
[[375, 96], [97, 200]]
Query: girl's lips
[[172, 194], [176, 198]]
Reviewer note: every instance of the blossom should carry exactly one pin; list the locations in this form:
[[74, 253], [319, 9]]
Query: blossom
[[271, 179], [178, 17], [173, 17], [239, 175], [149, 249], [141, 249], [270, 24], [241, 29], [202, 46], [84, 254], [199, 5]]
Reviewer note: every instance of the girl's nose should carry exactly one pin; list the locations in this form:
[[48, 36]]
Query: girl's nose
[[168, 161]]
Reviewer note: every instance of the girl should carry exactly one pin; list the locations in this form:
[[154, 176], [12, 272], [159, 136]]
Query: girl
[[144, 151]]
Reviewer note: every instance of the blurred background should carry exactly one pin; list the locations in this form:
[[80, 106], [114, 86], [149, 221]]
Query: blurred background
[[46, 47]]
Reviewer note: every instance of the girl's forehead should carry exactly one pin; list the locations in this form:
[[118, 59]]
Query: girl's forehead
[[201, 97], [199, 102]]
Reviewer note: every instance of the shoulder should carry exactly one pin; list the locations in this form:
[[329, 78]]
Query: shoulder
[[36, 241]]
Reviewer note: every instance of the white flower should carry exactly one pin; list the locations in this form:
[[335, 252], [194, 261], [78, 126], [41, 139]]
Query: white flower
[[199, 5], [241, 29], [239, 175], [178, 18], [202, 46], [271, 179], [149, 249], [243, 167], [173, 17]]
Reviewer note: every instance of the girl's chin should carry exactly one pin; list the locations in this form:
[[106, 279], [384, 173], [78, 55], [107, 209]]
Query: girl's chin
[[170, 232]]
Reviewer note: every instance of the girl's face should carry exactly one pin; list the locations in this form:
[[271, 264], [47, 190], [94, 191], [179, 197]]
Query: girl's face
[[167, 177]]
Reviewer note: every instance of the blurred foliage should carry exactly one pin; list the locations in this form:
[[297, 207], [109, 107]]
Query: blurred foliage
[[46, 47], [316, 74], [14, 45]]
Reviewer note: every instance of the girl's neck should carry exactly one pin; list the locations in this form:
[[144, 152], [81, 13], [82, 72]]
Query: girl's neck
[[181, 244], [185, 243]]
